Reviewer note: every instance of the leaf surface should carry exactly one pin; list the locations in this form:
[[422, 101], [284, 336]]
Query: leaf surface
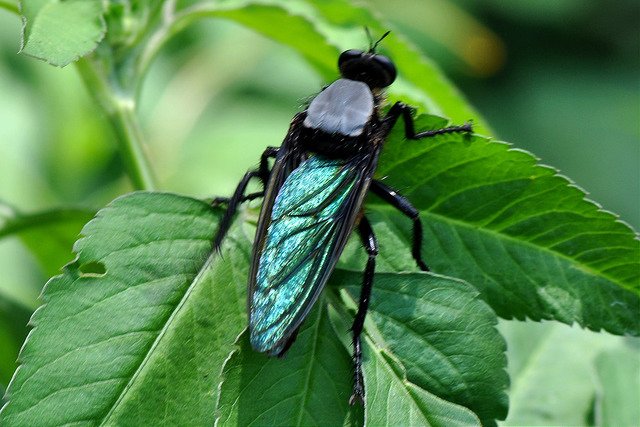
[[390, 399], [311, 385]]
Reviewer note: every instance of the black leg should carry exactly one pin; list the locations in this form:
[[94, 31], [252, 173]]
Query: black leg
[[225, 200], [401, 203], [239, 196], [399, 109], [371, 246], [232, 207], [270, 152]]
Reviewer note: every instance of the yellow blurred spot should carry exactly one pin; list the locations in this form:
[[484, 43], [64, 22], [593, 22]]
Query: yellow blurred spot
[[453, 28], [484, 53]]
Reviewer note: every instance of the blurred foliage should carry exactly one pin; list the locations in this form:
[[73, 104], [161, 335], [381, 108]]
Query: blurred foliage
[[556, 77]]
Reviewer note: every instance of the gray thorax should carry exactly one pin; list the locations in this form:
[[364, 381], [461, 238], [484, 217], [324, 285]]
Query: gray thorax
[[344, 107]]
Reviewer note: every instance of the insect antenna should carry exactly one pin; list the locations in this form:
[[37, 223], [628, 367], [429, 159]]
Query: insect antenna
[[372, 45], [366, 30]]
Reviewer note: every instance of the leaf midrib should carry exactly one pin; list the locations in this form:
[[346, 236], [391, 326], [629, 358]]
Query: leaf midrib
[[311, 366], [197, 279]]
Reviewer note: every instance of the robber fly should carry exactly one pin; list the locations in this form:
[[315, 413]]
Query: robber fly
[[313, 200]]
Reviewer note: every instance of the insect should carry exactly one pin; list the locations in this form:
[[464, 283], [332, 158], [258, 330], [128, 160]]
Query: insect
[[313, 200]]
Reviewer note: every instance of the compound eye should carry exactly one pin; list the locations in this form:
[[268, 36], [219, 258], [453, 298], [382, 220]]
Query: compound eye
[[386, 70], [375, 70], [347, 56]]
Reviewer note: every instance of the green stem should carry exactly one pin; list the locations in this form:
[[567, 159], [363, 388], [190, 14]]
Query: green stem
[[127, 128], [22, 222], [120, 109], [10, 6]]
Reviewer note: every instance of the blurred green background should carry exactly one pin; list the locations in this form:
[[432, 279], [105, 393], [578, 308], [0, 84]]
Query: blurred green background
[[559, 78]]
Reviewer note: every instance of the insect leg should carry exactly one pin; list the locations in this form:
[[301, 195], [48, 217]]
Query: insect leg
[[264, 170], [270, 152], [239, 196], [401, 203], [400, 109], [234, 201], [225, 200], [371, 246]]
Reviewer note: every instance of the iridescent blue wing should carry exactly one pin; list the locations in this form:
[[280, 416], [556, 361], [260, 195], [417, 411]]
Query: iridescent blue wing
[[301, 234]]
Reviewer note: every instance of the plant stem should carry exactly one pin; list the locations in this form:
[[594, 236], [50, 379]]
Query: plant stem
[[127, 128], [120, 109]]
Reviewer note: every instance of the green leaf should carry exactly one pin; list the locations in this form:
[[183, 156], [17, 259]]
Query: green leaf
[[390, 398], [60, 32], [424, 408], [618, 372], [519, 232], [443, 335], [277, 23], [143, 319], [311, 385]]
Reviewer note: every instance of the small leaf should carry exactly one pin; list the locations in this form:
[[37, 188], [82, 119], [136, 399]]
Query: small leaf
[[60, 32], [144, 342], [392, 400], [311, 385], [443, 335]]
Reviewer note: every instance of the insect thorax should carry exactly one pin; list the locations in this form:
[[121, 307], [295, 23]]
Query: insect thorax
[[339, 119]]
